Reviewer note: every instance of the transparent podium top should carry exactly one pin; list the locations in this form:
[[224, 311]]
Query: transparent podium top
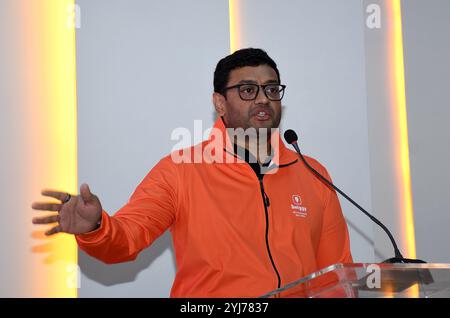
[[371, 281]]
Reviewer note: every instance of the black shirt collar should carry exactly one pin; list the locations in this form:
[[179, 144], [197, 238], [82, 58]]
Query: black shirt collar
[[246, 155]]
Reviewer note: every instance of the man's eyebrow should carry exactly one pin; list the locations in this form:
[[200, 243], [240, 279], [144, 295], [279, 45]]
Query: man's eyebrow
[[270, 81]]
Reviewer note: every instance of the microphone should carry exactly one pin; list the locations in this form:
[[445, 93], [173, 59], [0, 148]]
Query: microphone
[[291, 138]]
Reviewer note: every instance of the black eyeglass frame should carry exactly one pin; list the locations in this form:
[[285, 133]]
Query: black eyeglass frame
[[238, 86]]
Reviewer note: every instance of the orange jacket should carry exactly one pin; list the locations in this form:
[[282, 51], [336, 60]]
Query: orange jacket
[[234, 236]]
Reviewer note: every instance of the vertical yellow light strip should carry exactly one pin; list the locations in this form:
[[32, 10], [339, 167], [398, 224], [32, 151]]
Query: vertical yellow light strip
[[234, 25], [49, 36], [401, 127]]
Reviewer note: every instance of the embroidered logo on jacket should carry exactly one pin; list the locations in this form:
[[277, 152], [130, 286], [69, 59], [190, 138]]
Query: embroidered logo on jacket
[[297, 208]]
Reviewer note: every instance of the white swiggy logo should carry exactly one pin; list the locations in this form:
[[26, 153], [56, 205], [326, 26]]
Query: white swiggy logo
[[297, 208]]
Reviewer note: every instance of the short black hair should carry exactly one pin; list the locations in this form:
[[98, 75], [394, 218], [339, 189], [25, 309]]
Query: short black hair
[[240, 58]]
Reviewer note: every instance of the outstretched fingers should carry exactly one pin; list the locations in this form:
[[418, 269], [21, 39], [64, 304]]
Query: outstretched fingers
[[44, 206], [62, 196], [54, 230], [55, 207], [46, 219]]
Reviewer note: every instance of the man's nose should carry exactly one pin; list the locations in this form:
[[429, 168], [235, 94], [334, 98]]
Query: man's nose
[[261, 98]]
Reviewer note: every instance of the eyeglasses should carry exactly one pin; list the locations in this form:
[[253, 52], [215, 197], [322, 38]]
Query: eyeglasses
[[274, 92]]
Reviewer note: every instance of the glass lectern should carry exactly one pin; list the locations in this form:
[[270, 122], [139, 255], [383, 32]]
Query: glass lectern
[[371, 281]]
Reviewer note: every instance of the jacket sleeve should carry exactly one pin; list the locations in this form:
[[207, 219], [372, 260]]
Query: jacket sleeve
[[149, 212], [334, 244]]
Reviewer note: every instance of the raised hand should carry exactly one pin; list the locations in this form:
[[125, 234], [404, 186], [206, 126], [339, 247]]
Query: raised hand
[[75, 214]]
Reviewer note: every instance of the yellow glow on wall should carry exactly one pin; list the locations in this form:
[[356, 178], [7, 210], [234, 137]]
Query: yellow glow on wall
[[234, 25], [398, 102], [50, 112]]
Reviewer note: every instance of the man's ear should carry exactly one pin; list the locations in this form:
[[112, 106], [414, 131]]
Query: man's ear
[[219, 102]]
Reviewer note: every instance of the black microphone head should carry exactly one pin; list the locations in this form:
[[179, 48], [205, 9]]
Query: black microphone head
[[290, 136]]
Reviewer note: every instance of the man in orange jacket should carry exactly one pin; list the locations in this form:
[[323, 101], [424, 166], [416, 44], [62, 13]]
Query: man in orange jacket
[[244, 221]]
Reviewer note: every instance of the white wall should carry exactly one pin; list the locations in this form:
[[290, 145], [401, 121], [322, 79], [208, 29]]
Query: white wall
[[427, 67], [381, 125], [427, 78], [144, 69], [13, 160]]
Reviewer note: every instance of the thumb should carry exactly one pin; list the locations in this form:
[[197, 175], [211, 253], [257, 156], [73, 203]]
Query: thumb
[[85, 193]]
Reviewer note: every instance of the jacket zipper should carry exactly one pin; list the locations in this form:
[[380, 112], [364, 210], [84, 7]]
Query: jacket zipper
[[266, 202]]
